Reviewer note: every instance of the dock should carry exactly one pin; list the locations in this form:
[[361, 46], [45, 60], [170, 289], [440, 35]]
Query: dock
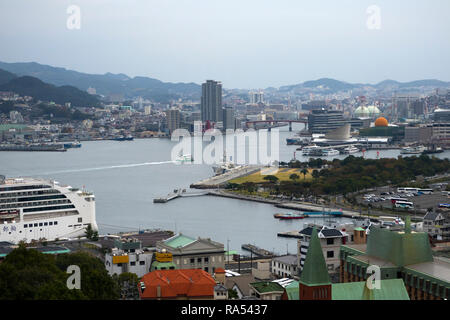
[[49, 147], [177, 193], [314, 210], [262, 253], [222, 179], [289, 234]]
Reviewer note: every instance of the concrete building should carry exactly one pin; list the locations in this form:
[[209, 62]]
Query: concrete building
[[441, 115], [228, 118], [401, 255], [211, 101], [255, 97], [285, 266], [315, 282], [331, 240], [420, 134], [266, 290], [190, 253], [128, 256], [173, 119], [437, 225]]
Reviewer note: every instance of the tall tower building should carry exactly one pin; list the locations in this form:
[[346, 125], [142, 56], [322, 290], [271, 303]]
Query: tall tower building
[[173, 119], [228, 118], [211, 103]]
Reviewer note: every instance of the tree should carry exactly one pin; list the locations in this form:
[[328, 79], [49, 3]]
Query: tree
[[271, 178], [96, 283], [127, 283], [90, 233], [315, 174], [232, 294], [294, 177], [304, 171], [27, 274]]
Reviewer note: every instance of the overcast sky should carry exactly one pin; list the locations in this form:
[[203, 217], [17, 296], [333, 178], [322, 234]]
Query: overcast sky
[[243, 43]]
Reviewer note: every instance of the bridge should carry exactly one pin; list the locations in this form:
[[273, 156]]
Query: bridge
[[271, 122]]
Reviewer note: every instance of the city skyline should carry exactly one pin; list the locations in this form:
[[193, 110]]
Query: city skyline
[[273, 44]]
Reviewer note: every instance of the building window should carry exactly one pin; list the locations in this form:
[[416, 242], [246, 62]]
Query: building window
[[132, 263], [192, 260], [50, 223], [199, 260], [80, 219], [45, 224], [206, 269], [330, 241], [330, 254], [206, 260], [141, 263]]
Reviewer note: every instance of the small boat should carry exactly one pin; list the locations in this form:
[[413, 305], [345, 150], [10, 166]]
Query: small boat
[[350, 150], [289, 216], [69, 145], [310, 150], [329, 152], [185, 158], [412, 150], [123, 138]]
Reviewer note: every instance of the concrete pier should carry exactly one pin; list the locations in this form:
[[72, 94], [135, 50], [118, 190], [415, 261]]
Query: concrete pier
[[222, 179]]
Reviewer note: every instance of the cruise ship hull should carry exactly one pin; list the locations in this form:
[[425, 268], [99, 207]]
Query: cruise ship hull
[[50, 213]]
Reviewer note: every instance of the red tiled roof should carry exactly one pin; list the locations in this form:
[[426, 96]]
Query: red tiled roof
[[173, 283], [219, 270]]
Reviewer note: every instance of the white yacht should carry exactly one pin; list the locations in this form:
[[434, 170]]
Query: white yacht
[[350, 150], [330, 152], [413, 150], [310, 150], [35, 209]]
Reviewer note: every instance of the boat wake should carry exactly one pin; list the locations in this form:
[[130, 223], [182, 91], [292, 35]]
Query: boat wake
[[107, 167]]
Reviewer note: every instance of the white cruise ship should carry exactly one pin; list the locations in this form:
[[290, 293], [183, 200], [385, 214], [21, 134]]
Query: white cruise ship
[[36, 209]]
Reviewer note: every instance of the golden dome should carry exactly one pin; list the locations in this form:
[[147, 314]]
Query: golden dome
[[381, 122]]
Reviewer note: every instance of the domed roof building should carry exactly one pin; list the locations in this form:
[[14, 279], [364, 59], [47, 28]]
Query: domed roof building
[[362, 112], [381, 122], [373, 111]]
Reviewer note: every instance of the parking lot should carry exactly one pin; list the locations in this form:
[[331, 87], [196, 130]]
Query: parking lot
[[382, 198]]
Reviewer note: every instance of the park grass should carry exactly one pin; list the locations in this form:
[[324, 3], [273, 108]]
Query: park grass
[[282, 175]]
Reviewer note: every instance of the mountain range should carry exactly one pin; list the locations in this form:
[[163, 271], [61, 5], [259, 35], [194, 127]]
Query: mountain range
[[121, 85], [106, 84], [39, 90]]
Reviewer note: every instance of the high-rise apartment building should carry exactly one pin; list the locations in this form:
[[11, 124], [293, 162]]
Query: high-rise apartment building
[[228, 118], [256, 97], [173, 119], [211, 102]]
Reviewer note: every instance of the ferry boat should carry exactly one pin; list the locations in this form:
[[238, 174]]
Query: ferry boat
[[310, 150], [289, 216], [36, 209], [350, 150], [412, 150], [329, 152]]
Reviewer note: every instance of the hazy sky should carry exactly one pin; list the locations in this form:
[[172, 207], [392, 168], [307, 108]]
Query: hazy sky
[[243, 43]]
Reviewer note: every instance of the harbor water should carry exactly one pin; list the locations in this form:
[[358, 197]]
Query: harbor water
[[126, 176]]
